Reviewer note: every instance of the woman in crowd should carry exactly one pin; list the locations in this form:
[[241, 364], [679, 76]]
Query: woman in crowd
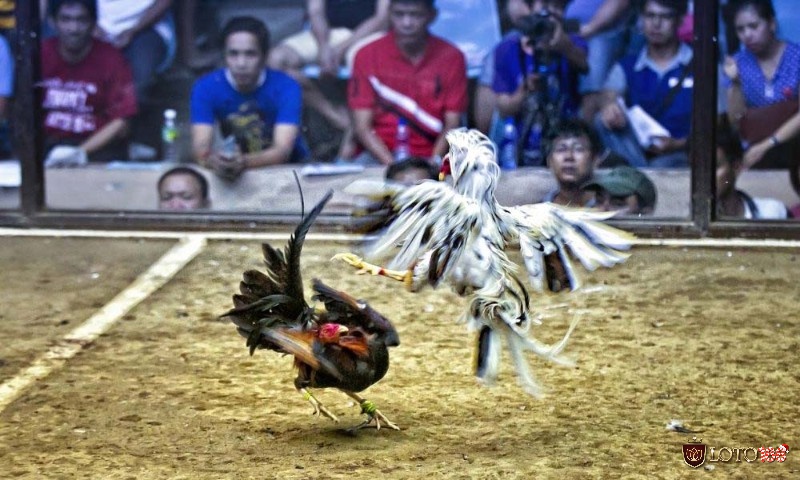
[[765, 73]]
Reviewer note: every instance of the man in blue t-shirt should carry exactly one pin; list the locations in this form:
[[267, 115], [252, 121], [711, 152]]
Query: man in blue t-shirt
[[659, 80], [536, 75], [257, 107]]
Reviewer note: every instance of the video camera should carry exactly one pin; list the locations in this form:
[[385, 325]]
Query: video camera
[[538, 28]]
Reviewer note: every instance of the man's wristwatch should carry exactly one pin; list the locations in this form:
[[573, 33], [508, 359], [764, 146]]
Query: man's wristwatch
[[773, 140]]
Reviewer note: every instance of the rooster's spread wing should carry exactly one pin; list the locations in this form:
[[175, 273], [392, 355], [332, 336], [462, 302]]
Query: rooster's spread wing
[[343, 309], [428, 219], [545, 230]]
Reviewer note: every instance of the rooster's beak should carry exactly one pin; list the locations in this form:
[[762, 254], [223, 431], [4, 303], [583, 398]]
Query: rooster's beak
[[342, 330], [445, 170]]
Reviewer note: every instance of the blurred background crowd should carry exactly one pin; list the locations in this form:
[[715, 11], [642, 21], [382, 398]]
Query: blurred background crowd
[[573, 86]]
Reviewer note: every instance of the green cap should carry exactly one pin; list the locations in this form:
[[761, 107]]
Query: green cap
[[624, 180]]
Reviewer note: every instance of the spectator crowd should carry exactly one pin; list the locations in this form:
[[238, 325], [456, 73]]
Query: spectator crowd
[[573, 86]]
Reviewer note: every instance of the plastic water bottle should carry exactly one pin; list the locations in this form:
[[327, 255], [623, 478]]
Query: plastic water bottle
[[169, 137], [508, 148], [401, 148]]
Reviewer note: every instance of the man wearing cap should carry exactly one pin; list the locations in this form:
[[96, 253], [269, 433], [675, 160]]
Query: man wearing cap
[[624, 189]]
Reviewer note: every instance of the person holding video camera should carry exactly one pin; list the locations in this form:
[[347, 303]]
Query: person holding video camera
[[647, 98], [536, 76]]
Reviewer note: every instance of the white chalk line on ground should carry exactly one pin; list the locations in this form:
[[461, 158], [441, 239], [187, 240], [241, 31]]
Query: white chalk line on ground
[[151, 280], [169, 235], [346, 237]]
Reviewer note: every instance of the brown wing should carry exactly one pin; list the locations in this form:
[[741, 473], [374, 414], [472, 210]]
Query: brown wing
[[343, 308]]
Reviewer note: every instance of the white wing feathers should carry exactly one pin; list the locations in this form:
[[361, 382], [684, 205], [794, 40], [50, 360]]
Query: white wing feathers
[[545, 228], [431, 216]]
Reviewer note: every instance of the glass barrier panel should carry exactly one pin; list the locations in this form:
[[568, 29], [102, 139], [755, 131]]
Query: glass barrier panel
[[575, 67], [758, 144]]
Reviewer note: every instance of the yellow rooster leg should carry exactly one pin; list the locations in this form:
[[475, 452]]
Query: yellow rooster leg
[[318, 406], [374, 416], [364, 267]]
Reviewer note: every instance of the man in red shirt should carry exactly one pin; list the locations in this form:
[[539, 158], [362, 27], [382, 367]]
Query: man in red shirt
[[410, 74], [88, 90]]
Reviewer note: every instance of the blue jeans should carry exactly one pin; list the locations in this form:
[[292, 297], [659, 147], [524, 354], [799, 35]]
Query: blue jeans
[[146, 52], [605, 49]]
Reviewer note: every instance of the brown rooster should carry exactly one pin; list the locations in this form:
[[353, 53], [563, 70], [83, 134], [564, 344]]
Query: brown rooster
[[344, 347]]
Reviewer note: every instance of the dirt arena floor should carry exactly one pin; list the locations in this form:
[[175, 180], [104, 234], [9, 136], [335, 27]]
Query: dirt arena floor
[[709, 337]]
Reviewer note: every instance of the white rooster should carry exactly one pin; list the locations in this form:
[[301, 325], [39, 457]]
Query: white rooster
[[459, 234]]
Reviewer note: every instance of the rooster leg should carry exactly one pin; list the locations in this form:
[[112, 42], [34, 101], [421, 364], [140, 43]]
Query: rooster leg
[[364, 267], [373, 414], [318, 406]]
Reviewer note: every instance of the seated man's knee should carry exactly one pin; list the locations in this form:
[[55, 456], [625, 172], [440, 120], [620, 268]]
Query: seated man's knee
[[283, 57]]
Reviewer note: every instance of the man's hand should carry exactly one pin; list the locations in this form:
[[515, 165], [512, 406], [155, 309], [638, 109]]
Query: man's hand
[[227, 160], [755, 153], [531, 82], [123, 39], [662, 145], [66, 156], [613, 117], [329, 60], [560, 41], [228, 167]]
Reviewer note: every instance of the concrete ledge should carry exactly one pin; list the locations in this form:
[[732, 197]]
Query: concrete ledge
[[273, 190]]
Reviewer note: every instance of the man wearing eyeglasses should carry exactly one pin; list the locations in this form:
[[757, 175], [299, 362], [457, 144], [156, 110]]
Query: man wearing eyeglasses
[[659, 82], [573, 152]]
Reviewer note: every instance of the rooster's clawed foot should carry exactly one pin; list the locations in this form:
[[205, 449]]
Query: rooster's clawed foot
[[365, 267], [319, 408], [374, 416]]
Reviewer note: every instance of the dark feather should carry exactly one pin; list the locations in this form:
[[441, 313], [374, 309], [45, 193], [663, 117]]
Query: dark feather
[[343, 308], [275, 298], [484, 340], [294, 281]]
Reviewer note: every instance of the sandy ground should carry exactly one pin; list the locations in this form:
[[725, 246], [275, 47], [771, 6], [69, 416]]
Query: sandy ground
[[709, 337]]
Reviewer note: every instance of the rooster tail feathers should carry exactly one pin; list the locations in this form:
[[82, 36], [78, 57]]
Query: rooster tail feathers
[[487, 360], [294, 281], [258, 307], [553, 352], [516, 348]]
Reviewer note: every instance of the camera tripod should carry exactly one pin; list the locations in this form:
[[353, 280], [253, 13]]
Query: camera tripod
[[540, 112]]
